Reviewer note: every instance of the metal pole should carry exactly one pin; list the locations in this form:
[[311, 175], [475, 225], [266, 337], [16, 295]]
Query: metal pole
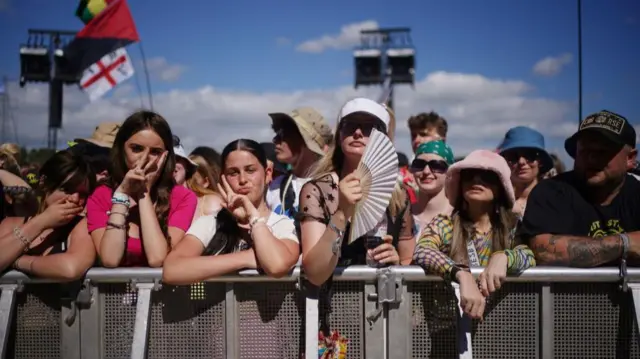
[[579, 61]]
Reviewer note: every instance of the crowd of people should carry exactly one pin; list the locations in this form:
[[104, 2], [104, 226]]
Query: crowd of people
[[131, 196]]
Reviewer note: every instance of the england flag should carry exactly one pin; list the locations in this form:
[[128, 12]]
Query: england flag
[[101, 77]]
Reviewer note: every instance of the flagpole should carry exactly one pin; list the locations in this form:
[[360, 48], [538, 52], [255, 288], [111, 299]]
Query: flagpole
[[579, 61], [146, 74]]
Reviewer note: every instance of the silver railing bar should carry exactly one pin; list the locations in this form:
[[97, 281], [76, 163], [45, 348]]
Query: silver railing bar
[[352, 273]]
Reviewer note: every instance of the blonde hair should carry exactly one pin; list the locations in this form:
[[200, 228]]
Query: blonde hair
[[333, 162], [9, 163], [204, 169], [503, 220], [12, 149]]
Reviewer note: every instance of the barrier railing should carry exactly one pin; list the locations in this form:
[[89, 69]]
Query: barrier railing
[[398, 312]]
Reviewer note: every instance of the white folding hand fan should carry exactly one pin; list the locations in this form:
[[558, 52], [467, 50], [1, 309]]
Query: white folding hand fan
[[378, 172]]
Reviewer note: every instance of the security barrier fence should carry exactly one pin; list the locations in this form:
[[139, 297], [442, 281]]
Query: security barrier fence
[[397, 312]]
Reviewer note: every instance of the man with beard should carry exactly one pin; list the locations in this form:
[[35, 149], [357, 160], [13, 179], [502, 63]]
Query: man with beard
[[590, 216]]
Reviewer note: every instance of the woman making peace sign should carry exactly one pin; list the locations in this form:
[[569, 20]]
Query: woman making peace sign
[[244, 234], [147, 214]]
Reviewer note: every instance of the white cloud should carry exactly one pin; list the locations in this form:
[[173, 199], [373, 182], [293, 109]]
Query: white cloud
[[283, 41], [348, 37], [160, 68], [551, 66], [479, 110]]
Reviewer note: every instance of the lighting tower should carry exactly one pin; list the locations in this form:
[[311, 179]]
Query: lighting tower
[[42, 60], [385, 57]]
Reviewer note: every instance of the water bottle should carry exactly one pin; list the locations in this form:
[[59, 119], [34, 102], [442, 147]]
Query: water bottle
[[373, 239]]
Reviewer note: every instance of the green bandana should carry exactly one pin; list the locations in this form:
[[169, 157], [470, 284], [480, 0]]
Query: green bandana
[[437, 148]]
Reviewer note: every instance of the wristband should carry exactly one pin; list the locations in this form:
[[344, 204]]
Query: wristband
[[625, 244], [120, 198], [256, 220]]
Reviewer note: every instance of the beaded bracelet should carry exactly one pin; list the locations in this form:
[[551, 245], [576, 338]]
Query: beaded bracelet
[[17, 233], [115, 225]]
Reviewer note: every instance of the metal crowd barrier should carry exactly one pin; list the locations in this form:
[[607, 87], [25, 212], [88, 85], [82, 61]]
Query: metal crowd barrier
[[399, 312]]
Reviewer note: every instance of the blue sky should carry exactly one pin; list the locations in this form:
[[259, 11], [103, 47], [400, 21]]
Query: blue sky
[[245, 46]]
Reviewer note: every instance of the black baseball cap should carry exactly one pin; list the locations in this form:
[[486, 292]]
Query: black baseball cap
[[610, 125]]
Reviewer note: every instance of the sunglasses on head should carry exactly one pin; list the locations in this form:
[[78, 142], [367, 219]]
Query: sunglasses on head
[[436, 166], [512, 157], [488, 177]]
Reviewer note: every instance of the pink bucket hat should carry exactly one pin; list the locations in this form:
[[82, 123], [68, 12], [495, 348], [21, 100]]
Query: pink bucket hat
[[481, 160]]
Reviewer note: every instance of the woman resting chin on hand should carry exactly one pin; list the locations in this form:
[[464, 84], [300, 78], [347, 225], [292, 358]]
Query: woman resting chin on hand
[[244, 234]]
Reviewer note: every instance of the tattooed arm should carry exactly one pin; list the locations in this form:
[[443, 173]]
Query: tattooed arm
[[575, 251]]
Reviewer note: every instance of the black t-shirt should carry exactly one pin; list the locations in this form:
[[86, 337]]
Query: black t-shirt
[[558, 206]]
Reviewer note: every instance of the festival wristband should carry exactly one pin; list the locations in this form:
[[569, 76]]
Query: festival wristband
[[625, 244], [120, 198]]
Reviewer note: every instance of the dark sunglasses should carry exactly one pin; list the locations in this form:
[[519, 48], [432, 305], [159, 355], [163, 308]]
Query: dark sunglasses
[[436, 166], [349, 127], [285, 131], [487, 177], [514, 156]]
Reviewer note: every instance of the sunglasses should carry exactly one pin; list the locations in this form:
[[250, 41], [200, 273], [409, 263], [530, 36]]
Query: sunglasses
[[514, 156], [487, 177], [349, 127], [436, 166], [285, 132]]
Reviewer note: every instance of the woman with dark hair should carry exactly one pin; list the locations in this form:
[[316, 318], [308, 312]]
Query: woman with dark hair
[[209, 154], [479, 232], [244, 234], [55, 243], [141, 213]]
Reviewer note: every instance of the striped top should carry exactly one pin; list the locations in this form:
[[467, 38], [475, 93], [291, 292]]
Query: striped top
[[434, 246]]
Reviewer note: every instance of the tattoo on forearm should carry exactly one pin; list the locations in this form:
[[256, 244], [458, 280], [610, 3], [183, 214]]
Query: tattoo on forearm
[[576, 251]]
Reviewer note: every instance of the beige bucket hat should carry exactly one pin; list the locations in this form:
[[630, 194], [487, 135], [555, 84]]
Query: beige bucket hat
[[104, 134], [312, 126]]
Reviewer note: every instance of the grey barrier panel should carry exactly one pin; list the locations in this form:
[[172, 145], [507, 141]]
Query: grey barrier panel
[[36, 327], [590, 320], [188, 322], [142, 325], [91, 337], [232, 330], [270, 320], [510, 327], [7, 299], [118, 318], [593, 320], [399, 326], [69, 329], [546, 322], [434, 310], [374, 316]]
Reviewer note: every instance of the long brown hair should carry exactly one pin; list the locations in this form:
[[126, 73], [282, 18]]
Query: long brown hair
[[502, 218], [333, 161], [208, 171], [161, 191]]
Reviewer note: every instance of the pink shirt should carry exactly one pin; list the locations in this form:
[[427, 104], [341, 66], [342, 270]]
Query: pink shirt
[[182, 206]]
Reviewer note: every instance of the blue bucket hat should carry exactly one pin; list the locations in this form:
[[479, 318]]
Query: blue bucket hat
[[525, 137]]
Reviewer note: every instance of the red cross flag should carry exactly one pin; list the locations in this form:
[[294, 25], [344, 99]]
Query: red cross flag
[[105, 74]]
